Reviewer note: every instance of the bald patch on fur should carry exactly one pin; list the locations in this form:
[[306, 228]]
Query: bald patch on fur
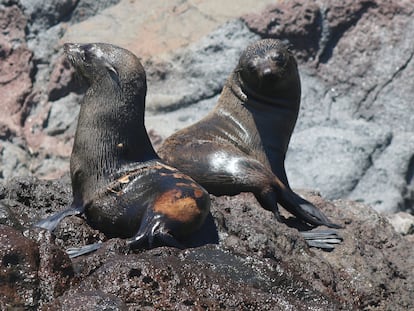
[[176, 207]]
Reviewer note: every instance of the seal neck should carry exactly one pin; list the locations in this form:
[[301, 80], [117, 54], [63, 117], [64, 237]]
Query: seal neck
[[289, 100], [111, 131]]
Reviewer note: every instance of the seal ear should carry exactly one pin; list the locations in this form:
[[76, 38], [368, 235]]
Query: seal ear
[[113, 73]]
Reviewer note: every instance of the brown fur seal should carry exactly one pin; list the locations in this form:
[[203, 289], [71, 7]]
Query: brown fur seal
[[118, 181], [241, 145]]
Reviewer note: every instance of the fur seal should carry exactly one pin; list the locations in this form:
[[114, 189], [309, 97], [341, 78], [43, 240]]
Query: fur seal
[[240, 146], [118, 180]]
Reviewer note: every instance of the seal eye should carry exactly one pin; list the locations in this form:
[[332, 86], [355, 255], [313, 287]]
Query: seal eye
[[278, 58], [86, 53], [82, 55]]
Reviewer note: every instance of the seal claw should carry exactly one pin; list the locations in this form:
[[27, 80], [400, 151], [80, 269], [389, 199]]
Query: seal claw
[[324, 239]]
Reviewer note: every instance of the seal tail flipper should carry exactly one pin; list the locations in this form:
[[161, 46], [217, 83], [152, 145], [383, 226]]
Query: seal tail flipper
[[83, 250], [51, 222], [153, 229]]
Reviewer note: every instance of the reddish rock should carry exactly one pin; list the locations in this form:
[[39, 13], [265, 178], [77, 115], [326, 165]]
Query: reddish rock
[[309, 26], [300, 22], [15, 68], [63, 80]]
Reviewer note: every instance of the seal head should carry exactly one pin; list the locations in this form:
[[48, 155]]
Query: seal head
[[268, 70]]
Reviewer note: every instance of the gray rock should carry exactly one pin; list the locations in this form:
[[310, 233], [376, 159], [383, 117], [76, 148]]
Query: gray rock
[[46, 13], [63, 115], [13, 160], [332, 157], [167, 123], [388, 184], [87, 8], [197, 72]]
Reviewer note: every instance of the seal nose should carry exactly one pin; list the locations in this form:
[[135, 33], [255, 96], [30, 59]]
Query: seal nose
[[71, 48], [267, 71]]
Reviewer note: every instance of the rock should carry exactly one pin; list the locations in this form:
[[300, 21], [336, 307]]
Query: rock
[[14, 160], [88, 300], [15, 69], [208, 278], [19, 265], [156, 28], [259, 263], [32, 273], [63, 116], [166, 123], [88, 8], [55, 271], [63, 80], [392, 173], [402, 222], [332, 158], [44, 14], [190, 76]]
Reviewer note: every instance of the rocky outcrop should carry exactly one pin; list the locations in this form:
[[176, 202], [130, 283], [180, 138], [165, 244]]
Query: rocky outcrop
[[258, 263]]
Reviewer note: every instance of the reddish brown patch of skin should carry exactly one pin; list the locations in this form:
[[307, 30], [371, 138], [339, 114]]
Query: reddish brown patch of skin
[[176, 207], [181, 176], [198, 193], [181, 184]]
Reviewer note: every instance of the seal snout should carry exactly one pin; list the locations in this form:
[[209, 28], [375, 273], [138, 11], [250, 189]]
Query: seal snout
[[71, 48]]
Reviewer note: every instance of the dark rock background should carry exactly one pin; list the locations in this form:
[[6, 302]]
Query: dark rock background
[[353, 140]]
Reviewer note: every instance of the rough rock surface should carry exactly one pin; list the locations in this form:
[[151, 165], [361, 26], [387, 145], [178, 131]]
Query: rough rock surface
[[258, 264]]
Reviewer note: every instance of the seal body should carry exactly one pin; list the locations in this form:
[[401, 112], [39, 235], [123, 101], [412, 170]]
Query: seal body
[[240, 146], [118, 181]]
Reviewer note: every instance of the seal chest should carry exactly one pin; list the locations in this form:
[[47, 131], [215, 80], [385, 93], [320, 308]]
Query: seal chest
[[118, 181], [240, 146]]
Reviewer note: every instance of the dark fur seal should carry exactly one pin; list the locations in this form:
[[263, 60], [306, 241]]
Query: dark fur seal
[[241, 145], [118, 181]]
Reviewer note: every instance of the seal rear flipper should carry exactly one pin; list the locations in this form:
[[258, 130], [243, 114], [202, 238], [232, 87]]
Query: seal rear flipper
[[51, 222], [325, 239], [153, 233]]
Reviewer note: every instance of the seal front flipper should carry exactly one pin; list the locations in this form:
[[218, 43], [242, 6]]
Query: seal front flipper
[[304, 210], [51, 222]]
